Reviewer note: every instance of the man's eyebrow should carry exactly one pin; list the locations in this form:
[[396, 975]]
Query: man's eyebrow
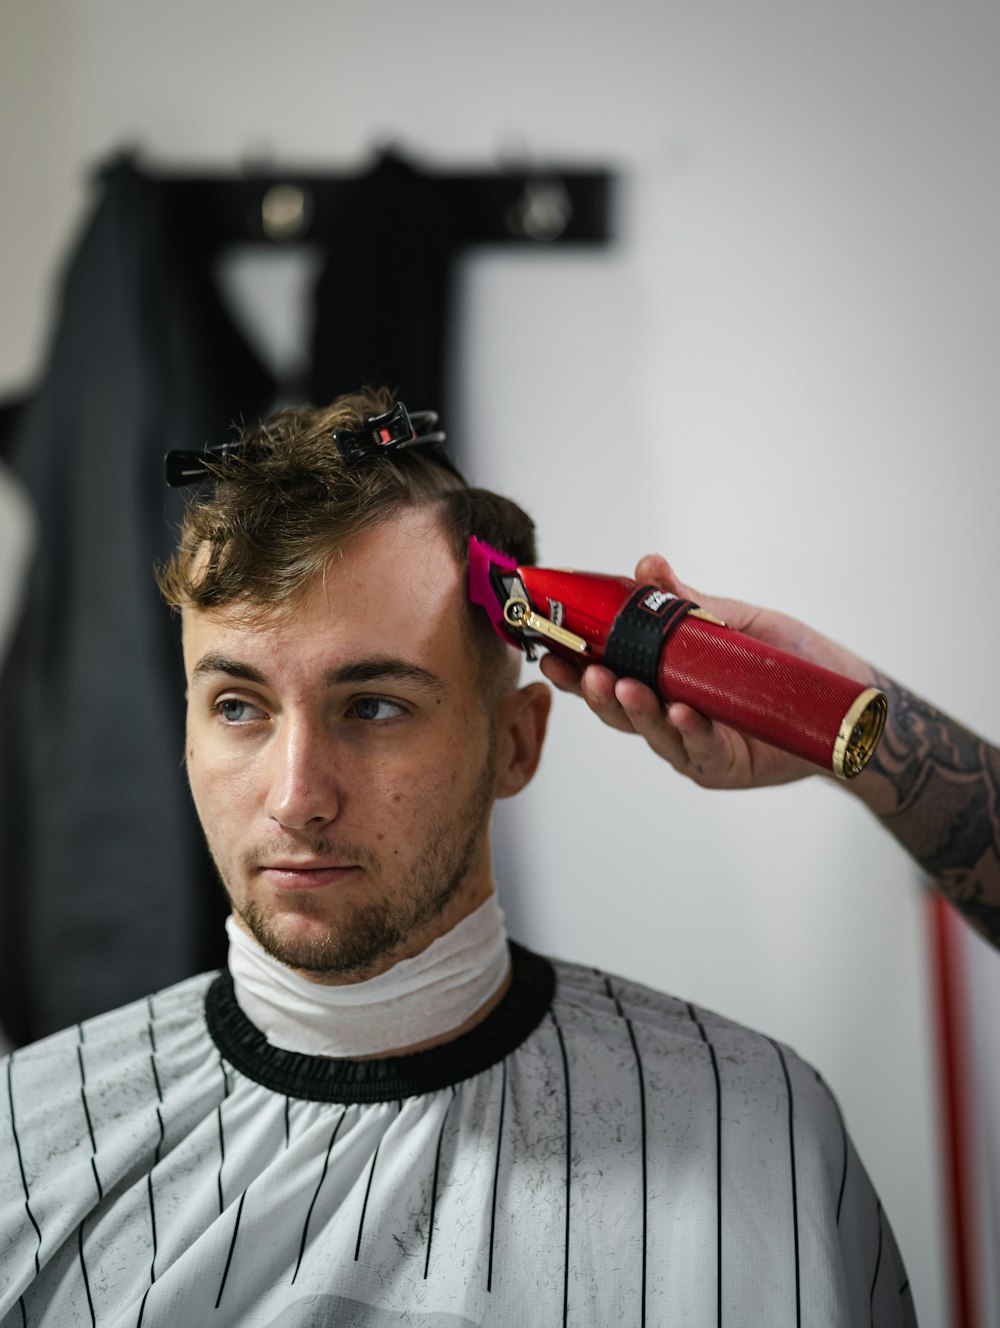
[[233, 668], [384, 668], [374, 668]]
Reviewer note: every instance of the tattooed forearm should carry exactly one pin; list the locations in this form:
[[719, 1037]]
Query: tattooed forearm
[[944, 806]]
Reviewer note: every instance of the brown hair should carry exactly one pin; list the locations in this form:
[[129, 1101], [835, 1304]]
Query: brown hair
[[259, 534]]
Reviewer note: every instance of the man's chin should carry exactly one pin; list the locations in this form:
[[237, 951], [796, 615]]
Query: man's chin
[[349, 950]]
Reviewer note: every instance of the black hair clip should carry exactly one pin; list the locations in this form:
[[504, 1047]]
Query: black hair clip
[[184, 467], [396, 429]]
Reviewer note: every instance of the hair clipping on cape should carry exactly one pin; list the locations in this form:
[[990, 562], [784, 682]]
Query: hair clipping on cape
[[390, 432]]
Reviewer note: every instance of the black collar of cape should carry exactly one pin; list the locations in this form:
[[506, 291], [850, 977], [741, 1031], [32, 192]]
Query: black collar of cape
[[391, 1078]]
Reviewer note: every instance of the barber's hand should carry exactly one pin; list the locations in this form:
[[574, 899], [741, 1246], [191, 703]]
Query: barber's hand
[[712, 755]]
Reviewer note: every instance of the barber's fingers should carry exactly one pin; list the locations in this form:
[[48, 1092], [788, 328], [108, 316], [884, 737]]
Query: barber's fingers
[[561, 673], [692, 744], [710, 754], [714, 756], [599, 688], [595, 684], [627, 705]]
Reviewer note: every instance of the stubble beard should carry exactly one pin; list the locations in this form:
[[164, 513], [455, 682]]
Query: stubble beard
[[378, 928]]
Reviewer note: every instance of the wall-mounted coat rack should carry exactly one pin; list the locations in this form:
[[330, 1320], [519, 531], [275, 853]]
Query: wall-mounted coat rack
[[507, 206], [389, 236]]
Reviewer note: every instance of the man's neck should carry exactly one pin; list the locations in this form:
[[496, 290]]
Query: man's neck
[[420, 1002]]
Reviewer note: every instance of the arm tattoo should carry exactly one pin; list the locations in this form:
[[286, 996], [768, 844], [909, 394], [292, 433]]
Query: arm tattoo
[[947, 814]]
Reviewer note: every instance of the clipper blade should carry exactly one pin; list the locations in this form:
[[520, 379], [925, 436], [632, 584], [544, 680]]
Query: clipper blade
[[483, 561]]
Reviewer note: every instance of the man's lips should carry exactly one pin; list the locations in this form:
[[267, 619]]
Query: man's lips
[[293, 875]]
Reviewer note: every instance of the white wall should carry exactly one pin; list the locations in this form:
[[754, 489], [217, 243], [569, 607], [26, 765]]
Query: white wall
[[783, 377]]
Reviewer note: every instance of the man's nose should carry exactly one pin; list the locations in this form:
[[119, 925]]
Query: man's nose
[[303, 785]]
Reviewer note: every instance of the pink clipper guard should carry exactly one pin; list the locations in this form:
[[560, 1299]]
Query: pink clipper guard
[[483, 557]]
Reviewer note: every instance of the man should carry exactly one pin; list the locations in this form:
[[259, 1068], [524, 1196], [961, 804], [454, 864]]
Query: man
[[934, 784], [384, 1113]]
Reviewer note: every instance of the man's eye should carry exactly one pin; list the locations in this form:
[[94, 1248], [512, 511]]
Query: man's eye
[[234, 711], [376, 708]]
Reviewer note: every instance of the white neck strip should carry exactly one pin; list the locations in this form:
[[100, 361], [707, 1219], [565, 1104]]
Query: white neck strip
[[415, 1000]]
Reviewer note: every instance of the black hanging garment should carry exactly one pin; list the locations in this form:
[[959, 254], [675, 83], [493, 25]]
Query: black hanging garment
[[110, 883], [386, 285], [106, 890]]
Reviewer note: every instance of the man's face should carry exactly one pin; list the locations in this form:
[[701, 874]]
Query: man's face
[[343, 763]]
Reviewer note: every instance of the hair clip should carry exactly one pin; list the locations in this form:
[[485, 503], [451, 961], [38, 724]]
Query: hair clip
[[396, 429], [185, 467]]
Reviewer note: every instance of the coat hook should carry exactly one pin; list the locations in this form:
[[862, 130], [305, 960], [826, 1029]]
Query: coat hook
[[285, 212], [543, 211]]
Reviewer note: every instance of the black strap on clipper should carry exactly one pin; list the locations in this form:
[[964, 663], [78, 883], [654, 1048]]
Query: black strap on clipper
[[644, 625]]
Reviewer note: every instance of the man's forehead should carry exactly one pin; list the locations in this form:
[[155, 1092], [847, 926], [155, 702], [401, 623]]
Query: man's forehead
[[414, 534], [400, 578], [401, 551]]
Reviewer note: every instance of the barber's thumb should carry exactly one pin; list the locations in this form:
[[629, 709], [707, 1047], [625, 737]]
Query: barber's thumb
[[654, 568]]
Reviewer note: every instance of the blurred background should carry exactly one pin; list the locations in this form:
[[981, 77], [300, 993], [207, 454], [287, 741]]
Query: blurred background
[[777, 366]]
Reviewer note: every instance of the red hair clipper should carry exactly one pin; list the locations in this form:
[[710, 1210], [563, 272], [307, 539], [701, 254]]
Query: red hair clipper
[[684, 654]]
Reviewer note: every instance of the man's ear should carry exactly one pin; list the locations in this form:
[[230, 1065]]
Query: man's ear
[[522, 718]]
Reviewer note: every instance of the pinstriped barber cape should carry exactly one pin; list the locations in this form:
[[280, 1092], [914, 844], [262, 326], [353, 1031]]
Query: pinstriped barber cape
[[593, 1153]]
